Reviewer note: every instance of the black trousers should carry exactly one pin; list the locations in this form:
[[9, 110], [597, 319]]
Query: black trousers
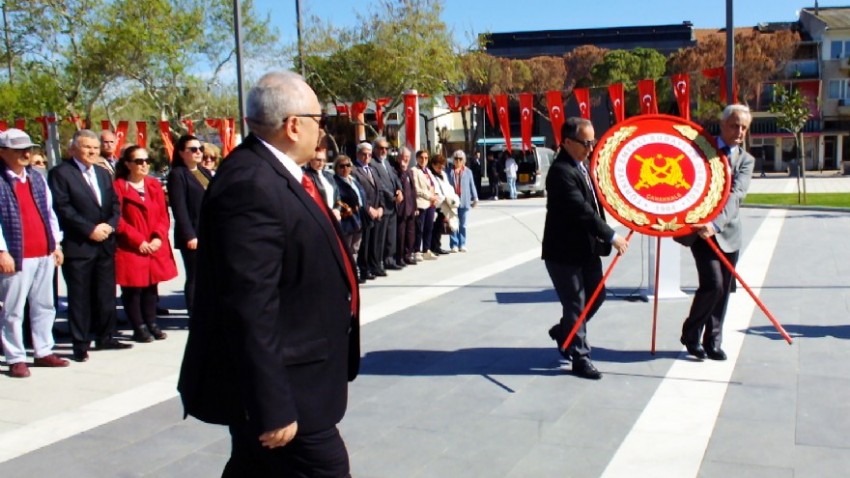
[[424, 229], [391, 238], [376, 244], [91, 298], [317, 455], [189, 265], [140, 305], [711, 298], [574, 285], [364, 254], [437, 232], [406, 235]]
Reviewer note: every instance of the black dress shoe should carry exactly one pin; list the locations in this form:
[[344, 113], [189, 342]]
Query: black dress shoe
[[162, 311], [694, 348], [381, 273], [715, 353], [81, 356], [112, 344], [371, 277], [362, 279], [553, 334], [584, 368], [392, 267]]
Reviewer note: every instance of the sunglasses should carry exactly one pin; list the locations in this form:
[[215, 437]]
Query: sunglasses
[[38, 163], [140, 161], [586, 143], [210, 158], [195, 149], [321, 118], [345, 165]]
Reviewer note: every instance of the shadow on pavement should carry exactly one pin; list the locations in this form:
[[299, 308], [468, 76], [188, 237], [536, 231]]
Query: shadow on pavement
[[473, 361], [802, 331]]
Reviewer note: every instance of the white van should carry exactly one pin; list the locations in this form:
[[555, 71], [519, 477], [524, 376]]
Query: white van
[[532, 167]]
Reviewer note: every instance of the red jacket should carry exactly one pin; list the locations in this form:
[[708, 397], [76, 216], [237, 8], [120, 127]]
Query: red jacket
[[142, 220]]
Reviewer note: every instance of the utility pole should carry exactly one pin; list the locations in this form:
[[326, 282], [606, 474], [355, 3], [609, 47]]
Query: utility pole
[[8, 45], [237, 29], [730, 55], [298, 31]]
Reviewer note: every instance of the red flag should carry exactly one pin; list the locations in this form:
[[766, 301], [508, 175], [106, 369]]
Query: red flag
[[719, 73], [230, 132], [105, 125], [341, 109], [483, 101], [555, 103], [76, 121], [20, 123], [142, 134], [411, 122], [583, 99], [682, 90], [646, 93], [121, 134], [504, 124], [165, 134], [357, 109], [4, 125], [43, 121], [526, 110], [457, 102], [617, 94], [380, 103], [190, 126]]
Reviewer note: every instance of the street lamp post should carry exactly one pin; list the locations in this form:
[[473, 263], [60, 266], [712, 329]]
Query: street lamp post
[[730, 54], [237, 29]]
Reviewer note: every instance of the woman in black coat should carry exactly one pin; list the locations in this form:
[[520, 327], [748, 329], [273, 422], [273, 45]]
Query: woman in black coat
[[186, 185]]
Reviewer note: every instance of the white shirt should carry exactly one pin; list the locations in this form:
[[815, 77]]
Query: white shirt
[[510, 168], [90, 175], [285, 160], [54, 221]]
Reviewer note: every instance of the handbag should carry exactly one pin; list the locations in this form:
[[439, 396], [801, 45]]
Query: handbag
[[350, 225]]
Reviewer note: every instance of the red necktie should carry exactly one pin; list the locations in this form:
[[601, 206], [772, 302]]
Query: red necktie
[[349, 270]]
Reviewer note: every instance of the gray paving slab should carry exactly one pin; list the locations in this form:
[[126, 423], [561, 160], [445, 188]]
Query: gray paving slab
[[469, 384]]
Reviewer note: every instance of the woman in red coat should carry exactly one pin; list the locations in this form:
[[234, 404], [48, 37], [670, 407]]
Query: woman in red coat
[[143, 257]]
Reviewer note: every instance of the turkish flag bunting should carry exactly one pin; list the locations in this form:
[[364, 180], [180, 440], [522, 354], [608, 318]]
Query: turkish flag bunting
[[504, 124], [646, 93], [165, 134], [230, 132], [583, 99], [380, 103], [526, 110], [105, 125], [76, 121], [341, 109], [411, 122], [719, 73], [142, 134], [190, 126], [617, 95], [457, 102], [555, 103], [357, 109], [4, 125], [682, 90], [121, 134], [43, 121], [483, 101], [20, 123]]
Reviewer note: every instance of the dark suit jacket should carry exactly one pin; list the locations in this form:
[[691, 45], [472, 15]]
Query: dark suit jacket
[[185, 195], [272, 338], [388, 181], [574, 232], [373, 197], [78, 212]]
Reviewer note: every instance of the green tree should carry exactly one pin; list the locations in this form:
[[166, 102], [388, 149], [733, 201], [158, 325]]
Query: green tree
[[793, 112], [628, 67]]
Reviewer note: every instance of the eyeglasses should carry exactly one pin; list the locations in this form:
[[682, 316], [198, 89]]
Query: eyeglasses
[[139, 161], [346, 165], [38, 163], [588, 143], [321, 118], [195, 149], [210, 158]]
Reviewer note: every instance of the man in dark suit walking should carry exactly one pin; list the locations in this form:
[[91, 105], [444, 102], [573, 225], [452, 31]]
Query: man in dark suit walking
[[88, 210], [715, 280], [574, 237], [274, 338]]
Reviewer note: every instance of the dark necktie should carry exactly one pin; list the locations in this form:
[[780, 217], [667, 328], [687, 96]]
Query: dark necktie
[[369, 174], [349, 270], [589, 185]]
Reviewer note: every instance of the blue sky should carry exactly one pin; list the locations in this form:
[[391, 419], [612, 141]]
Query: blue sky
[[467, 17]]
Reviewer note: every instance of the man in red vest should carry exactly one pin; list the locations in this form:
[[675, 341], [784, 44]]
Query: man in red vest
[[29, 255]]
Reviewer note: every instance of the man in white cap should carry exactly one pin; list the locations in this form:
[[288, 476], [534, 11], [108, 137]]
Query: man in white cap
[[29, 255]]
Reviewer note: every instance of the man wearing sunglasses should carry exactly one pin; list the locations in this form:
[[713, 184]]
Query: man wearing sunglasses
[[274, 335], [574, 237]]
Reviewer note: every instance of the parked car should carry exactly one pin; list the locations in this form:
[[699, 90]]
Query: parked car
[[532, 167]]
